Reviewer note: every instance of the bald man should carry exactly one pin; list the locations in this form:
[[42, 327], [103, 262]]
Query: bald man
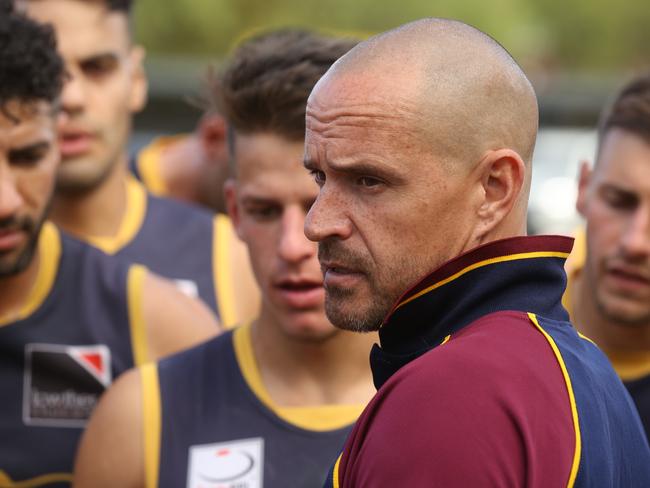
[[421, 140]]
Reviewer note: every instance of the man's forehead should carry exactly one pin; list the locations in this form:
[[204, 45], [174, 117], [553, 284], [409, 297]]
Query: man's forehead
[[82, 27], [20, 121]]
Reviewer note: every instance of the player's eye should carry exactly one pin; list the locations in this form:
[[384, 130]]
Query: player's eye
[[264, 212], [30, 156], [368, 181], [620, 200], [318, 175], [99, 66]]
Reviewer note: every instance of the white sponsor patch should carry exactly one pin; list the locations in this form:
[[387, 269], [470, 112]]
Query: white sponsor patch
[[188, 287], [233, 464]]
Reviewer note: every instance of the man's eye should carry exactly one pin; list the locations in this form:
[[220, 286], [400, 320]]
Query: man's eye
[[319, 176], [27, 157], [98, 67], [368, 181], [264, 213], [620, 200]]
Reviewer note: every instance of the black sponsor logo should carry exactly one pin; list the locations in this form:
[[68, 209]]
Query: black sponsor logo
[[63, 383]]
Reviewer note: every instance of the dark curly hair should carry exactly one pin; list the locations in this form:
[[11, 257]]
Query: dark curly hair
[[266, 83], [30, 67]]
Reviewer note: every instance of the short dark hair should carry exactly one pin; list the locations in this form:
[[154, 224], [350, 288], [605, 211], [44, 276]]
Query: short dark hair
[[30, 68], [630, 110], [267, 81]]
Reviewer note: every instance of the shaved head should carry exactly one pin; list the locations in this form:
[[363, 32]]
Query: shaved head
[[421, 140], [461, 89]]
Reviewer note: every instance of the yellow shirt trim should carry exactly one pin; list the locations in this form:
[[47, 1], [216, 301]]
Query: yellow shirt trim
[[49, 254], [136, 209], [148, 163], [572, 400], [573, 267], [480, 264], [152, 423], [135, 292], [43, 480], [630, 366], [335, 474], [316, 418], [222, 263]]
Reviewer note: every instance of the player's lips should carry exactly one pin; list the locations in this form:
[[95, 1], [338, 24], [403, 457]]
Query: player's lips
[[628, 278], [11, 239], [75, 142], [339, 275], [301, 293]]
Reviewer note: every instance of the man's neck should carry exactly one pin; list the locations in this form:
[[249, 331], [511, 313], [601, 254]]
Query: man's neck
[[181, 167], [299, 373], [15, 290], [96, 213], [613, 338]]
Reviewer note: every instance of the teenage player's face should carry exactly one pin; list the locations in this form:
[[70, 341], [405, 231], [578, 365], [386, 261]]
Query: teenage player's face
[[268, 201], [105, 86], [387, 212], [615, 200], [28, 162]]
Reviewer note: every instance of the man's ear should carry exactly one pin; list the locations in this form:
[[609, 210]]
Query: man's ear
[[584, 179], [230, 195], [213, 136], [502, 177], [139, 82]]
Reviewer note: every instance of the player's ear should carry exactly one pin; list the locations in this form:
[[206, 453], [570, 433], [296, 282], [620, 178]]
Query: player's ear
[[584, 179], [139, 83], [213, 136], [502, 175], [230, 195]]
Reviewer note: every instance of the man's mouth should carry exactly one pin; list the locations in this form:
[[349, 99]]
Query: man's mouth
[[301, 293], [74, 143], [11, 239], [629, 277]]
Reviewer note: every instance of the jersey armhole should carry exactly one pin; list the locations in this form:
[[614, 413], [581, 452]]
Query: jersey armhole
[[137, 326], [151, 423]]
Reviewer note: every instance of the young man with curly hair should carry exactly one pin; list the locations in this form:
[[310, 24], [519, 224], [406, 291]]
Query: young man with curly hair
[[71, 318]]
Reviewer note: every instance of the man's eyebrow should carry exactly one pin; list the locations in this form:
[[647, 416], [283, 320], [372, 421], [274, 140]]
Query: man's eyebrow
[[37, 146], [309, 163]]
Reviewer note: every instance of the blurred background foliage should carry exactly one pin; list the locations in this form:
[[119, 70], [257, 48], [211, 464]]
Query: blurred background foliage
[[544, 35]]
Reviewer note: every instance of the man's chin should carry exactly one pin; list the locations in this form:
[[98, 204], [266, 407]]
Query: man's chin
[[352, 319], [624, 311]]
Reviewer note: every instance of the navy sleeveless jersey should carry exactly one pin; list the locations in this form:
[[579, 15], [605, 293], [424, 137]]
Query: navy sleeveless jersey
[[59, 356], [172, 239], [217, 432]]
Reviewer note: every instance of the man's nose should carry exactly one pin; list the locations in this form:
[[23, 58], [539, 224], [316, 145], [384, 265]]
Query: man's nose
[[636, 239], [328, 217], [10, 199], [293, 245], [73, 96]]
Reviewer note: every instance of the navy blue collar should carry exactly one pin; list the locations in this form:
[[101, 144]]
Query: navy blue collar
[[520, 273]]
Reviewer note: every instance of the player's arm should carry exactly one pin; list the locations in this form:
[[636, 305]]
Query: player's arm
[[173, 320], [111, 452]]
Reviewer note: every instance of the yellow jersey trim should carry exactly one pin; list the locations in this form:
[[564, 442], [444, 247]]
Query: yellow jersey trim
[[148, 163], [335, 474], [152, 423], [136, 209], [446, 340], [49, 255], [316, 418], [480, 264], [222, 270], [572, 400], [43, 480], [135, 292]]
